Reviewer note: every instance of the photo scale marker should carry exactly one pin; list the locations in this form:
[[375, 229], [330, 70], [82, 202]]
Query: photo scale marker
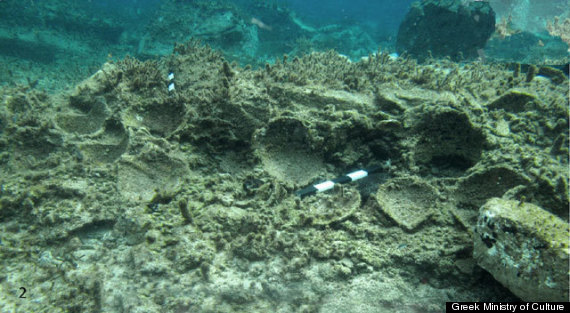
[[329, 184], [171, 86]]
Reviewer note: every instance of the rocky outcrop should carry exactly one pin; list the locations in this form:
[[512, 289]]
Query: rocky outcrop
[[446, 28]]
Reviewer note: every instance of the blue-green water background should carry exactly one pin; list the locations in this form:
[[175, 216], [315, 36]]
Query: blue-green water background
[[385, 14], [58, 43]]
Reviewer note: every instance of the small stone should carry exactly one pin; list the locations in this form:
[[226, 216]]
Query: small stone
[[227, 200]]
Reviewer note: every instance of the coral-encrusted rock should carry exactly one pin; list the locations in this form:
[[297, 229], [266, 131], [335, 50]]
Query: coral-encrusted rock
[[446, 28], [525, 248]]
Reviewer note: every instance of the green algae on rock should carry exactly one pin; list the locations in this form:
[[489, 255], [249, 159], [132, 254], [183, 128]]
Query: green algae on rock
[[187, 198], [525, 248]]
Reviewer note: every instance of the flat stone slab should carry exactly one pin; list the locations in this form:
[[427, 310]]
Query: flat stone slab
[[525, 248], [408, 201]]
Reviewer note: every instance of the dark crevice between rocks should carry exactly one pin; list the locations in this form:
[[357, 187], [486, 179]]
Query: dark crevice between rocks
[[449, 165], [448, 144], [93, 230]]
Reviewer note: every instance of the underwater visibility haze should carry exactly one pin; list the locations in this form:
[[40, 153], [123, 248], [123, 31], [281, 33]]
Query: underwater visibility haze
[[282, 156]]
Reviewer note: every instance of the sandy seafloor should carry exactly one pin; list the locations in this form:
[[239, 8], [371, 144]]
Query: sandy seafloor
[[120, 196]]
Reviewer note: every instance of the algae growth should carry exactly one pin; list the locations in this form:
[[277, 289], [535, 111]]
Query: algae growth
[[122, 196]]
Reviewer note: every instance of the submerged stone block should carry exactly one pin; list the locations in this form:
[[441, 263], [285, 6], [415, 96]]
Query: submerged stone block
[[525, 248], [446, 28]]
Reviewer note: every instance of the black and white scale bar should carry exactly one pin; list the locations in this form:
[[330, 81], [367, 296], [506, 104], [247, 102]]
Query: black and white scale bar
[[329, 184], [171, 82]]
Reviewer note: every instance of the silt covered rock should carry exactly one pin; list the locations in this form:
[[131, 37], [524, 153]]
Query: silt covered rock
[[525, 248], [446, 28]]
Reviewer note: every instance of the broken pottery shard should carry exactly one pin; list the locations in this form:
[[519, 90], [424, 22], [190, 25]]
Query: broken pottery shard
[[408, 201]]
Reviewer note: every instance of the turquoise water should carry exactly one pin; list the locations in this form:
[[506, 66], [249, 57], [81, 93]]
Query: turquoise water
[[77, 36]]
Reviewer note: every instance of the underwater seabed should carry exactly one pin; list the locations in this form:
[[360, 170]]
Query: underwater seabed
[[121, 195]]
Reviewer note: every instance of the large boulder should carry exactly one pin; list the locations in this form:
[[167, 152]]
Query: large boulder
[[455, 28], [525, 248]]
